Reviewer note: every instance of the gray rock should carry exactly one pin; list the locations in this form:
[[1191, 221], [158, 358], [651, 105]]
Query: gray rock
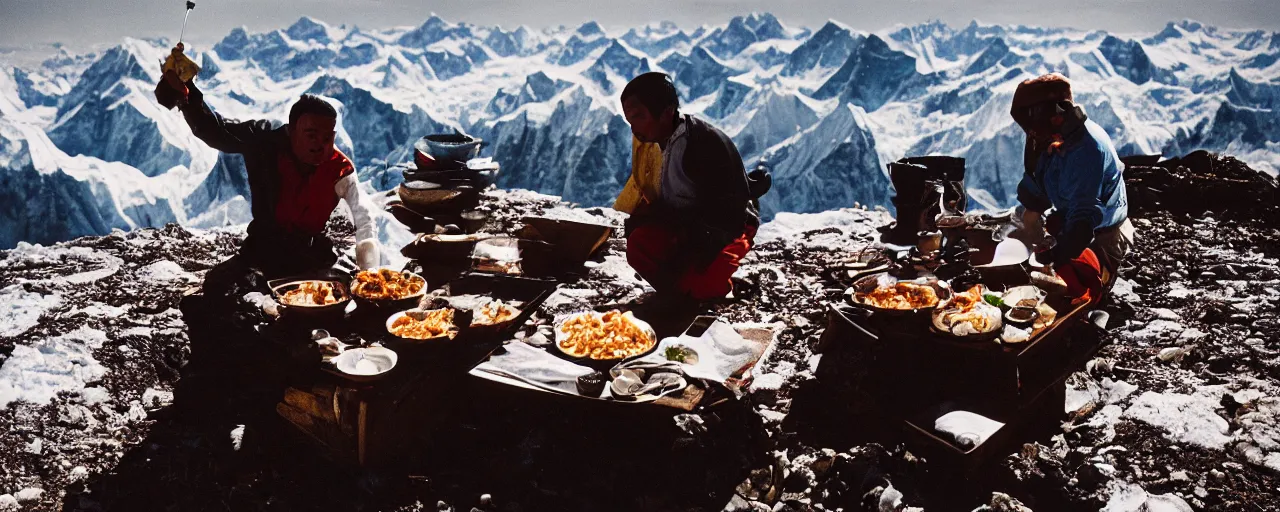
[[29, 494]]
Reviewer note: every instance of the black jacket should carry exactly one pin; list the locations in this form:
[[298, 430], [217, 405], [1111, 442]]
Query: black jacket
[[709, 182], [258, 141]]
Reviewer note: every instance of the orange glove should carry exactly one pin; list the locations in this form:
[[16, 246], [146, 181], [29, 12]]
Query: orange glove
[[1083, 276]]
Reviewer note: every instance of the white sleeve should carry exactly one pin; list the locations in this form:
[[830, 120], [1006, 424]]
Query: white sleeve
[[348, 188]]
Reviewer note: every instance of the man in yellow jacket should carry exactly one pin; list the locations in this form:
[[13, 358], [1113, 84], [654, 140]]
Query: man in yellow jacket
[[692, 219]]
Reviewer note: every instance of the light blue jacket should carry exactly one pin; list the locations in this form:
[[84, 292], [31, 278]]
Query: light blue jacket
[[1085, 182]]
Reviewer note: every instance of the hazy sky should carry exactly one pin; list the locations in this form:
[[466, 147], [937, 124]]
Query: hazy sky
[[92, 22]]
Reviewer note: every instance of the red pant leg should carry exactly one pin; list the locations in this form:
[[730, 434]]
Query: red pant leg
[[649, 250], [713, 282]]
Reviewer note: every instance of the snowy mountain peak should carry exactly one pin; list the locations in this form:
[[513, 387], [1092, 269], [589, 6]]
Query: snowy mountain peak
[[730, 40], [829, 47], [590, 29], [766, 26], [308, 29], [1130, 60], [989, 57], [233, 46], [433, 30], [616, 66], [873, 75], [698, 74], [933, 29]]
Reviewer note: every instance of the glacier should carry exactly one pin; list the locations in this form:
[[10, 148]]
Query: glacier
[[85, 149]]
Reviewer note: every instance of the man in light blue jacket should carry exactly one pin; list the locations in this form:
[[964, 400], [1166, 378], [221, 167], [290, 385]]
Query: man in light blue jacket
[[1072, 168]]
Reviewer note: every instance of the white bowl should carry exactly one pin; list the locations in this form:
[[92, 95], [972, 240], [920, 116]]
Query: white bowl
[[366, 363], [1012, 296]]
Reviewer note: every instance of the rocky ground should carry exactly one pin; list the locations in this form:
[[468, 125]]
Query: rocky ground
[[1180, 410]]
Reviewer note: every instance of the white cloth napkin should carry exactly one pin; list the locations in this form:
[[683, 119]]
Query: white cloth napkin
[[721, 351], [968, 429], [536, 367]]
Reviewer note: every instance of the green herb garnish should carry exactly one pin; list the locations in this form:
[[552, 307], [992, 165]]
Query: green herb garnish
[[993, 300], [674, 354]]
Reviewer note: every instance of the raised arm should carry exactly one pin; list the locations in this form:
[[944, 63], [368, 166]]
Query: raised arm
[[220, 133]]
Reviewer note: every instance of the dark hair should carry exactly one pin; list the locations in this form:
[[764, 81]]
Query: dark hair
[[654, 90], [311, 104]]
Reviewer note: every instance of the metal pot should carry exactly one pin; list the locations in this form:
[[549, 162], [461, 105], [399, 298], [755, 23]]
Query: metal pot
[[278, 289], [449, 147], [870, 282]]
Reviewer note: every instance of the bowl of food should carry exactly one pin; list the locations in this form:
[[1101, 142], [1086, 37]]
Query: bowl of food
[[1027, 296], [680, 354], [364, 364], [494, 314], [499, 255], [604, 338], [387, 289], [969, 316], [1021, 317], [882, 292], [312, 297], [423, 324]]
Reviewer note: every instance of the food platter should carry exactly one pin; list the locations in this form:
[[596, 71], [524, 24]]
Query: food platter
[[423, 324], [882, 292], [494, 314], [968, 316], [388, 288], [604, 337], [312, 296]]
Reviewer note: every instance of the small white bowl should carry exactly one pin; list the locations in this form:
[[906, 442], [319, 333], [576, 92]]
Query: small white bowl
[[365, 363]]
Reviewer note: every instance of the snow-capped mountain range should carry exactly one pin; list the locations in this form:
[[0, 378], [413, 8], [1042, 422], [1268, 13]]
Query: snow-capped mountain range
[[84, 147]]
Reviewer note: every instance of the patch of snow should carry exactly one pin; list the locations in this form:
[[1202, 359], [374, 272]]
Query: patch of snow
[[99, 309], [1258, 439], [166, 271], [156, 398], [8, 503], [1192, 334], [20, 310], [850, 222], [769, 381], [35, 447], [1180, 291], [619, 271], [1115, 391], [145, 332], [237, 437], [1128, 497], [29, 494], [607, 216], [1187, 419], [1125, 291], [36, 373], [570, 296], [1125, 497], [94, 395], [1158, 329]]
